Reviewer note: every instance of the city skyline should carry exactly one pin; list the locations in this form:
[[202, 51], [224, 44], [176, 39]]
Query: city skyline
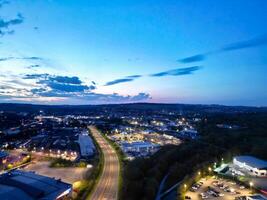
[[87, 52]]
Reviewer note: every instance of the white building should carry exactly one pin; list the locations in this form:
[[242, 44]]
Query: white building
[[139, 147], [87, 146], [252, 165]]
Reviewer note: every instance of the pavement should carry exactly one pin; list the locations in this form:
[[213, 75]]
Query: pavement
[[227, 196], [66, 174], [107, 186]]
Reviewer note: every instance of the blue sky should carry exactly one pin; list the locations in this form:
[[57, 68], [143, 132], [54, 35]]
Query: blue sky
[[169, 51]]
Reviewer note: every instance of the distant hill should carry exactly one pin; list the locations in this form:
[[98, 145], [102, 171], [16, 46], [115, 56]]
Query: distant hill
[[14, 107]]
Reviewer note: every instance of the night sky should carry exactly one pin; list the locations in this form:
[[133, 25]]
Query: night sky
[[121, 51]]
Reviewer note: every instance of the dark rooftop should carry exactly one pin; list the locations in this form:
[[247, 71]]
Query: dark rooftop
[[32, 185]]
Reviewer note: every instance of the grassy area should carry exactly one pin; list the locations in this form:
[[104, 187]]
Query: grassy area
[[59, 162], [25, 160]]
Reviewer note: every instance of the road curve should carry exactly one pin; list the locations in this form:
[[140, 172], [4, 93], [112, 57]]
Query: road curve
[[107, 186]]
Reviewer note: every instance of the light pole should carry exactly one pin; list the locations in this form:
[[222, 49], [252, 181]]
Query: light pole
[[251, 185], [185, 186], [209, 170]]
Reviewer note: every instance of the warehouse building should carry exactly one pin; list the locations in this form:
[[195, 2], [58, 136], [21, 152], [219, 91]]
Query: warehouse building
[[139, 147], [87, 146], [252, 165], [18, 184]]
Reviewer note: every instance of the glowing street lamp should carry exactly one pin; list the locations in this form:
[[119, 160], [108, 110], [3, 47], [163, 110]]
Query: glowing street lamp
[[209, 169], [185, 186], [251, 184], [199, 173]]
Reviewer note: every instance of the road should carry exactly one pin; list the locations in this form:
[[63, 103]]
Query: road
[[107, 186]]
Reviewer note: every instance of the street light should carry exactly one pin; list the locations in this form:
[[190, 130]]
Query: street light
[[185, 186], [199, 173], [209, 169]]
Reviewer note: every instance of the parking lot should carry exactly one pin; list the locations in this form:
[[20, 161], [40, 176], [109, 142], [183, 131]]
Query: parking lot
[[216, 188], [68, 174]]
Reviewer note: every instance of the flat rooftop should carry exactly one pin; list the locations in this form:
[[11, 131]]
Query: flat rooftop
[[17, 184], [252, 161], [139, 144], [86, 144]]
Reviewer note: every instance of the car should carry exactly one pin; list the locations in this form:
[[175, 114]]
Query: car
[[210, 192], [203, 196], [241, 198], [215, 195], [192, 190]]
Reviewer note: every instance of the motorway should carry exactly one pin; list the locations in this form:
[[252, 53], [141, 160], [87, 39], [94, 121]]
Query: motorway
[[107, 186]]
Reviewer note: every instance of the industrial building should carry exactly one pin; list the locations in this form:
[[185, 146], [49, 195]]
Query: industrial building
[[18, 184], [87, 146], [252, 165], [140, 147]]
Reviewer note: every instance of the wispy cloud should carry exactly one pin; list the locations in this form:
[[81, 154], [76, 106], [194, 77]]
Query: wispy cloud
[[117, 98], [246, 44], [20, 58], [195, 58], [33, 66], [134, 76], [177, 72], [5, 25], [259, 41], [173, 72], [3, 2], [117, 81]]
